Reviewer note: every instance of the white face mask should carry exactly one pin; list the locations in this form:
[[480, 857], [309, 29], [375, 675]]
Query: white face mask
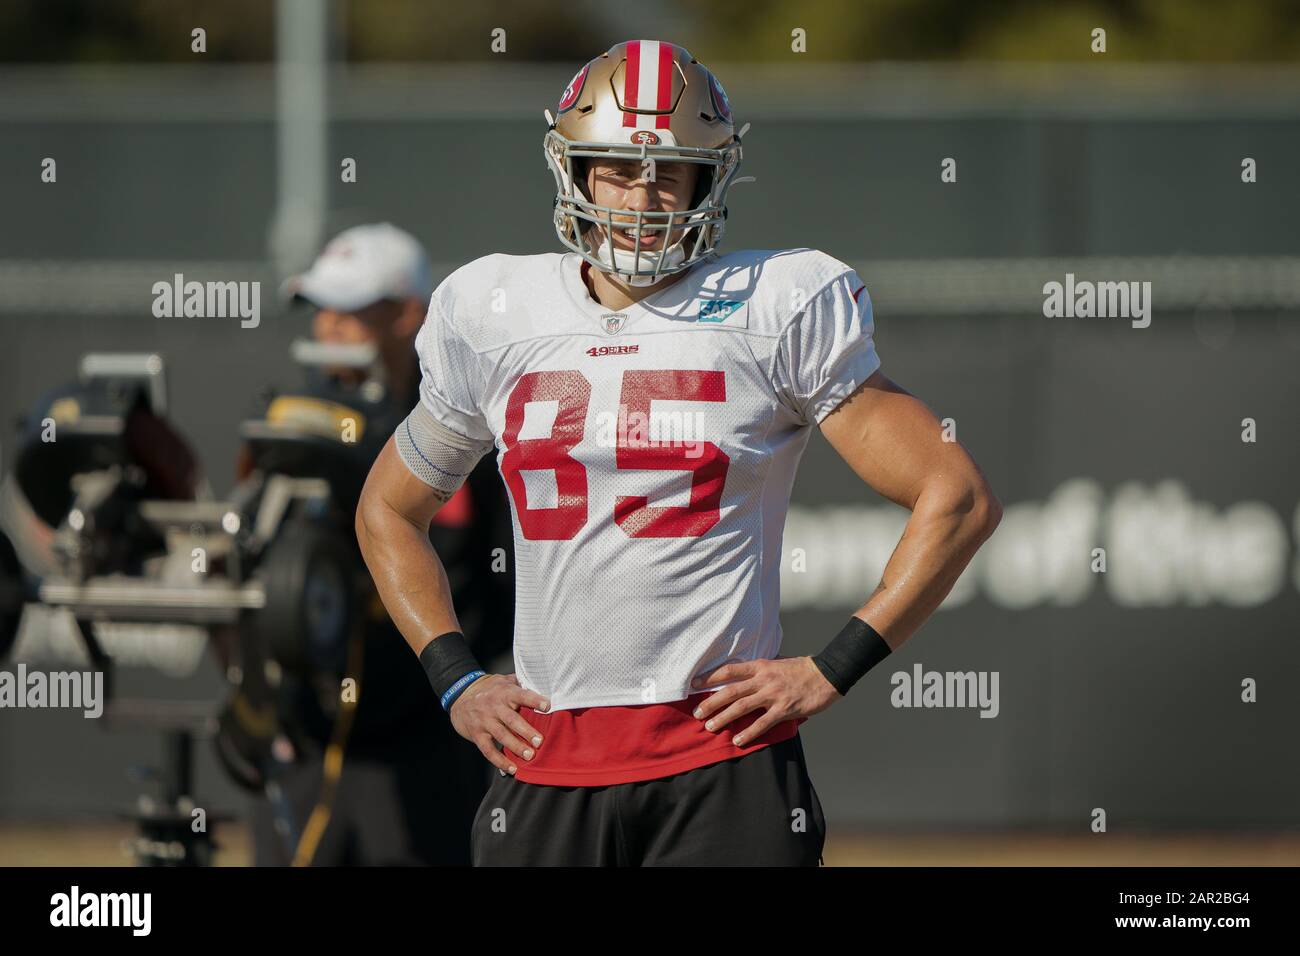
[[574, 213]]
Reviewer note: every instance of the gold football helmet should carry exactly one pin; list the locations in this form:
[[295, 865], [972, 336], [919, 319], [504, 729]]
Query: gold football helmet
[[654, 102]]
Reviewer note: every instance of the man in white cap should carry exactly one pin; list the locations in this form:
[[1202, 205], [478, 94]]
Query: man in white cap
[[408, 785], [371, 284]]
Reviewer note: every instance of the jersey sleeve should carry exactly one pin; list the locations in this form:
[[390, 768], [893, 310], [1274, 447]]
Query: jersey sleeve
[[451, 380], [828, 349]]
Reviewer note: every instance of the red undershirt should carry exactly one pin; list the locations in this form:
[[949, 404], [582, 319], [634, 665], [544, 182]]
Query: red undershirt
[[599, 746]]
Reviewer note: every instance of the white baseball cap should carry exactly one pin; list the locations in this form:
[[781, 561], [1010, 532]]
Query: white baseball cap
[[362, 265]]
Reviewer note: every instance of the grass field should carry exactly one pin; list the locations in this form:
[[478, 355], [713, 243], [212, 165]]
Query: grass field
[[99, 844]]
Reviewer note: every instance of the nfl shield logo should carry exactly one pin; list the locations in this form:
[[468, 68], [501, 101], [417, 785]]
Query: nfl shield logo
[[613, 322]]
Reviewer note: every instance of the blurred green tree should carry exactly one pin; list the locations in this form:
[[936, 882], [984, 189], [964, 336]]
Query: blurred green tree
[[716, 30], [1053, 30], [244, 30]]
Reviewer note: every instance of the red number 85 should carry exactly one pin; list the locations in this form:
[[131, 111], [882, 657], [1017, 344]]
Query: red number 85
[[571, 392]]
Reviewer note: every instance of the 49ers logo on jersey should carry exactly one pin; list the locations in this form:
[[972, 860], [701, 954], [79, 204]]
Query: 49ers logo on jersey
[[570, 95], [645, 137], [597, 351]]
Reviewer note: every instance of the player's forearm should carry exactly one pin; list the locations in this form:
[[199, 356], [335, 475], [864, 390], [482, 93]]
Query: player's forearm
[[408, 574], [949, 522]]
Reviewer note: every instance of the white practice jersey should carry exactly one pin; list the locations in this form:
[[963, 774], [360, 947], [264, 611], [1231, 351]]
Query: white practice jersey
[[649, 453]]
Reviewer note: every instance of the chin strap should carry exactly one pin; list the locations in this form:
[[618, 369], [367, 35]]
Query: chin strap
[[625, 262]]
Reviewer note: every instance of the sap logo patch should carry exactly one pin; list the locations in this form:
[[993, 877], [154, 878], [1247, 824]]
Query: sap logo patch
[[720, 311]]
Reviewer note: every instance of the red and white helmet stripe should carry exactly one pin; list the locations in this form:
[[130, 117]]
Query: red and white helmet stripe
[[648, 84]]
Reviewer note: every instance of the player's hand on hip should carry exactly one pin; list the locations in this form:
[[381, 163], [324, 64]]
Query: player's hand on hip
[[487, 714], [782, 689]]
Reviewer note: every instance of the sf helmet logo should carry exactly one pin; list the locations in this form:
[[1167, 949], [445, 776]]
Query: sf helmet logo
[[570, 95], [645, 137]]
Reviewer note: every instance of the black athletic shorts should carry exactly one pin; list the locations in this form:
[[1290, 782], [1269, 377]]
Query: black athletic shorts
[[756, 810]]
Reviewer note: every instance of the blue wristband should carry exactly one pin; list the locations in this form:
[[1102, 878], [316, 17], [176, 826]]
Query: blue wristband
[[455, 689]]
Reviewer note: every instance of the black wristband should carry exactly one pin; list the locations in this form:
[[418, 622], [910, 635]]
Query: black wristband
[[451, 666], [854, 650]]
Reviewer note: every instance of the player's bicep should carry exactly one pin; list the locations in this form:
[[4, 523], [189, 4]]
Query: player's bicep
[[391, 487], [894, 442]]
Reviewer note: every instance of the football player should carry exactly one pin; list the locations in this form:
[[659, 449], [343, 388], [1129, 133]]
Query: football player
[[648, 397]]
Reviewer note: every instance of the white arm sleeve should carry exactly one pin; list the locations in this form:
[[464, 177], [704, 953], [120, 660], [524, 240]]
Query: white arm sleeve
[[450, 377], [828, 350], [435, 454]]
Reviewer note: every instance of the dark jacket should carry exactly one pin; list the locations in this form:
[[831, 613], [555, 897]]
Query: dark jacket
[[396, 707]]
